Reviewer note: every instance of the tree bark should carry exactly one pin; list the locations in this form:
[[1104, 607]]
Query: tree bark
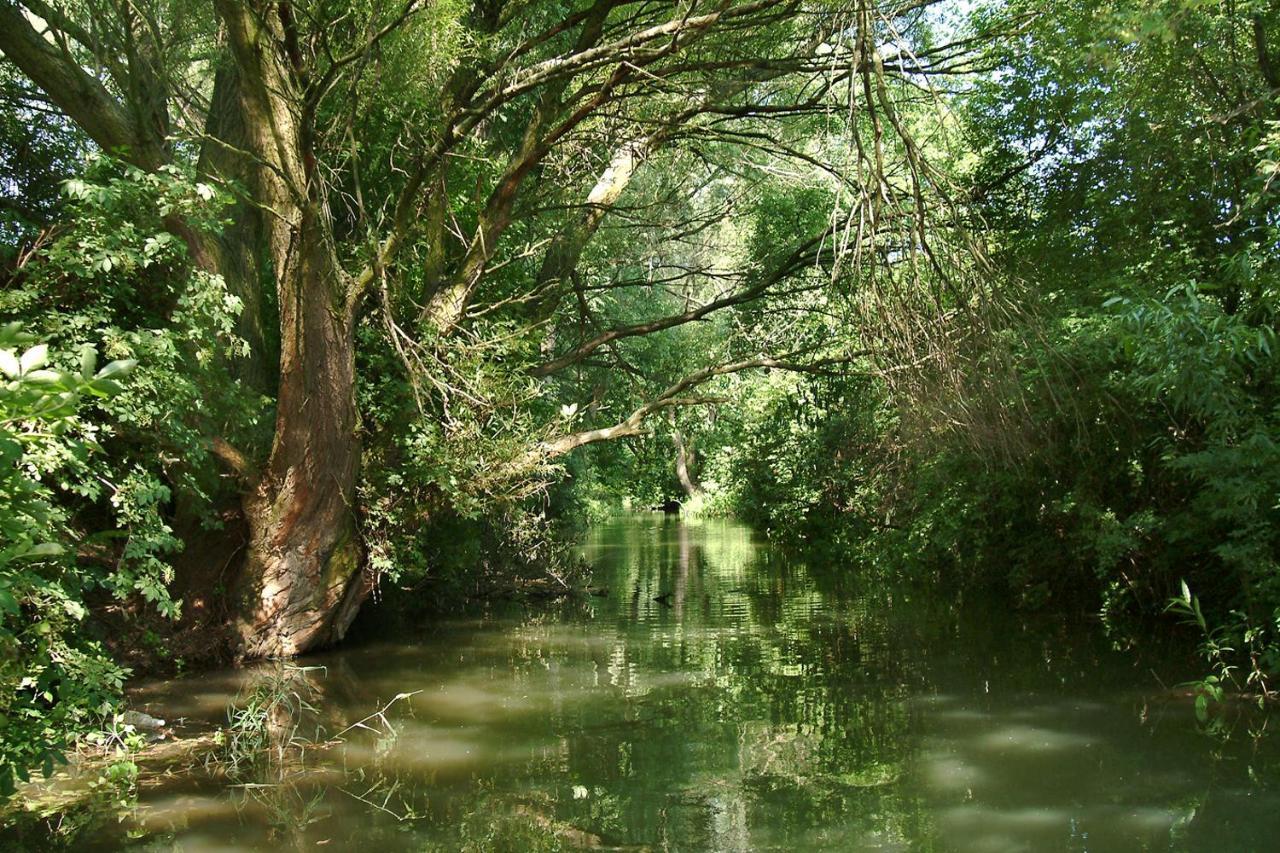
[[302, 583], [82, 97], [237, 252], [684, 465]]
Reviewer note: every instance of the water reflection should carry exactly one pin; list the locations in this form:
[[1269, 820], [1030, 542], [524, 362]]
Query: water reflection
[[727, 696]]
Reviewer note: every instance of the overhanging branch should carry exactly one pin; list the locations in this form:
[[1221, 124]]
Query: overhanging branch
[[77, 93], [798, 258], [675, 396]]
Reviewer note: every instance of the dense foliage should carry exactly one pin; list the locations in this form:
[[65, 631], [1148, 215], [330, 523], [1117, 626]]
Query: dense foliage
[[1122, 158], [53, 678], [407, 293]]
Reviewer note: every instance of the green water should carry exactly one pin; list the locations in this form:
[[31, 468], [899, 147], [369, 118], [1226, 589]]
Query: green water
[[765, 704]]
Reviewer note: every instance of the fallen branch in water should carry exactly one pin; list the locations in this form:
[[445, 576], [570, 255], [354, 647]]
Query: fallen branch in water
[[380, 714]]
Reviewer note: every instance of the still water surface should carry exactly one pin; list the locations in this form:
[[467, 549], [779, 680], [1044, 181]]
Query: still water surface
[[763, 703]]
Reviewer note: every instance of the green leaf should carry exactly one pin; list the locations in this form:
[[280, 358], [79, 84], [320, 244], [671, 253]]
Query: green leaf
[[9, 363], [88, 361], [45, 549], [37, 356], [46, 377], [106, 387], [117, 368]]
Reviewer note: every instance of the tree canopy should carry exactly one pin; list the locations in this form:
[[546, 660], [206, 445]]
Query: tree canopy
[[983, 291]]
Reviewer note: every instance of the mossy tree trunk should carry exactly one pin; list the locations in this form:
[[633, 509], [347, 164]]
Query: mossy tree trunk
[[302, 582]]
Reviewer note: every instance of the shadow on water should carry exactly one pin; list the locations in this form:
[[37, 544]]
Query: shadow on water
[[726, 696]]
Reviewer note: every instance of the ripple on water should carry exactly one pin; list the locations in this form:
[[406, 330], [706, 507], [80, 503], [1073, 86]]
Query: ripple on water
[[773, 705]]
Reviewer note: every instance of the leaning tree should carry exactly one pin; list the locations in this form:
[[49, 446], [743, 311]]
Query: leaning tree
[[434, 165]]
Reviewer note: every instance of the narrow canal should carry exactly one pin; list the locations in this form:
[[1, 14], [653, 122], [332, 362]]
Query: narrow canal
[[727, 695]]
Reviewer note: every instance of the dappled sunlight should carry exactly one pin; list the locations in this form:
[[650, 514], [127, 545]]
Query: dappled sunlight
[[603, 424], [950, 773], [204, 699], [1027, 739], [985, 828], [193, 812], [422, 748], [757, 707]]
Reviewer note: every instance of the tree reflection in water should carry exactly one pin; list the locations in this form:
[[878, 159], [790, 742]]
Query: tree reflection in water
[[729, 695]]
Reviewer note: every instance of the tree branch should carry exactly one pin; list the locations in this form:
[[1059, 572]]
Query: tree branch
[[77, 93], [673, 396], [800, 256]]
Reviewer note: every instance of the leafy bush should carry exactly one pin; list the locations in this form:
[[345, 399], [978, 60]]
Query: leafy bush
[[96, 473], [54, 680]]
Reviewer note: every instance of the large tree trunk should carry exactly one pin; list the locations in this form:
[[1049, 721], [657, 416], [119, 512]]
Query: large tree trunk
[[302, 581], [238, 250], [684, 465]]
